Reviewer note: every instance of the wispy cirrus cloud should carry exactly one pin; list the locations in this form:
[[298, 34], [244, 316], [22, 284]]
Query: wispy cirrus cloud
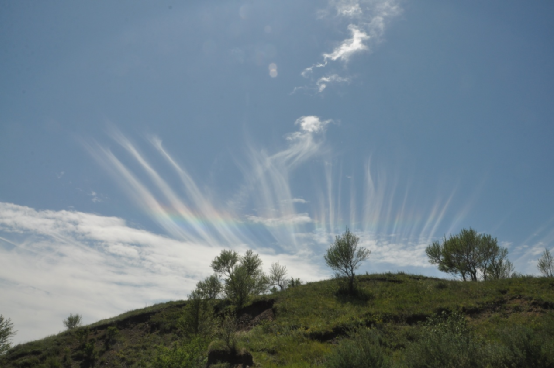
[[324, 81], [366, 23], [301, 218], [102, 266]]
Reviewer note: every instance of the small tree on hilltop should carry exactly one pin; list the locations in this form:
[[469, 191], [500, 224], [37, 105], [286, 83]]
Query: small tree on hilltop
[[499, 267], [470, 254], [6, 333], [244, 275], [73, 321], [546, 264], [277, 275], [344, 257]]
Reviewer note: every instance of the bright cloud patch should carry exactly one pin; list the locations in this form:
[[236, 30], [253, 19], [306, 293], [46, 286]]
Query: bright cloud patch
[[311, 124], [366, 22], [349, 46], [324, 81], [301, 218], [98, 266]]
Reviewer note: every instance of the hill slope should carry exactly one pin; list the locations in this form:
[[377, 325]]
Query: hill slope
[[396, 320]]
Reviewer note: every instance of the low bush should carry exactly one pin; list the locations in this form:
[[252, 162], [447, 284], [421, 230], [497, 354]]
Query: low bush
[[523, 347], [360, 351], [444, 341], [189, 354], [73, 321]]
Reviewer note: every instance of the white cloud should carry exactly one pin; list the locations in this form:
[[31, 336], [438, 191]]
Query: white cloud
[[98, 266], [349, 46], [311, 124], [301, 218], [324, 81], [367, 21], [349, 9]]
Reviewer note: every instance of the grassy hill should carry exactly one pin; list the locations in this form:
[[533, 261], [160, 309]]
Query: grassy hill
[[396, 320]]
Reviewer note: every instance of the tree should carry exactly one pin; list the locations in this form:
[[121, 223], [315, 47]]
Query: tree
[[73, 321], [225, 262], [210, 288], [6, 333], [470, 254], [546, 264], [499, 267], [244, 275], [344, 257], [197, 317], [277, 275]]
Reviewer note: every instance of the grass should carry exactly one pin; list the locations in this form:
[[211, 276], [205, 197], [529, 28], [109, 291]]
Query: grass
[[313, 323]]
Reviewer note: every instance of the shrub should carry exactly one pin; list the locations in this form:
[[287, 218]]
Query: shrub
[[73, 321], [228, 331], [66, 360], [445, 341], [361, 351], [197, 316], [546, 264], [523, 347], [112, 334], [190, 354], [277, 275], [90, 353], [51, 362], [295, 282]]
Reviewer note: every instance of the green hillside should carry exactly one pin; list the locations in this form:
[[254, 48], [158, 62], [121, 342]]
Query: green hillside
[[397, 320]]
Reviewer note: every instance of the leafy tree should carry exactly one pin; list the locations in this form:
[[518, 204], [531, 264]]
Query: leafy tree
[[6, 333], [277, 275], [244, 275], [344, 257], [210, 288], [470, 254], [73, 321], [499, 267], [197, 315], [546, 264], [225, 262]]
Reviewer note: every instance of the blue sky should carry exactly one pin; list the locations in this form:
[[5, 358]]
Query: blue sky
[[138, 139]]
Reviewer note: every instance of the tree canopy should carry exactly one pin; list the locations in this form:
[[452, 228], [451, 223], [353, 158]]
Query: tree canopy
[[244, 275], [470, 255], [6, 333], [546, 264], [344, 256]]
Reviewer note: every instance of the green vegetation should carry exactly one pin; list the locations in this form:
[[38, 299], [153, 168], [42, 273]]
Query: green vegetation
[[379, 320], [277, 276], [73, 321], [344, 257], [401, 321], [244, 275], [6, 333], [469, 254], [546, 264]]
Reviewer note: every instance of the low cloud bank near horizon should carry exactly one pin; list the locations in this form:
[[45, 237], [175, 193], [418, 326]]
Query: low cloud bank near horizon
[[53, 263]]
